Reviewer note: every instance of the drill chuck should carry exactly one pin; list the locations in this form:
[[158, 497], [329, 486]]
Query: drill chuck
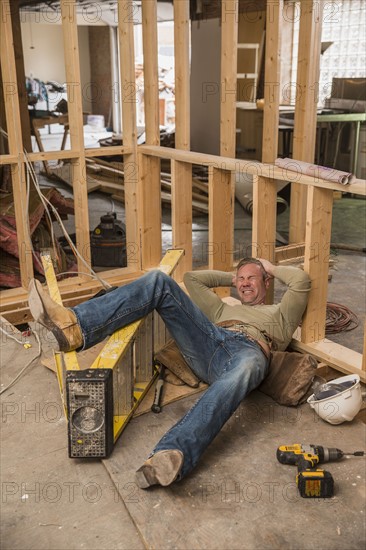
[[327, 454]]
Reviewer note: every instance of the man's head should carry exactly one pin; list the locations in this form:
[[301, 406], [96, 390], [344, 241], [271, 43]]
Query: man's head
[[251, 281]]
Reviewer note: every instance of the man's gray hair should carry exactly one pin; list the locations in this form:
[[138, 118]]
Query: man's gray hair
[[246, 261]]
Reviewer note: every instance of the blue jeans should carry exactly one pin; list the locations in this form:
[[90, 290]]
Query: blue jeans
[[228, 361]]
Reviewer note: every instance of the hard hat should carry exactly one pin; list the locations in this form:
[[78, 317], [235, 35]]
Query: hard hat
[[343, 405]]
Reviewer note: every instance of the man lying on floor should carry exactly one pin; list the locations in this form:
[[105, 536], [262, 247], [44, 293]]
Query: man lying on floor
[[232, 358]]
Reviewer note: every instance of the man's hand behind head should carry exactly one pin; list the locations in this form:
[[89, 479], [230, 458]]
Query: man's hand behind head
[[268, 266]]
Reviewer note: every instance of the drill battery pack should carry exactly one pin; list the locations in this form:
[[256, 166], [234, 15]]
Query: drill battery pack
[[315, 483]]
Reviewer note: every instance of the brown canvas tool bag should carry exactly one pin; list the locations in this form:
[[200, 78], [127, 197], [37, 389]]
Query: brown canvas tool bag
[[290, 376], [170, 356], [288, 381]]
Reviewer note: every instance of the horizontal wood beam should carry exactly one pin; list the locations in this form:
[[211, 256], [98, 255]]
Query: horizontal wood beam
[[340, 357], [9, 159], [103, 151], [74, 290], [289, 252], [68, 154], [250, 167], [52, 155]]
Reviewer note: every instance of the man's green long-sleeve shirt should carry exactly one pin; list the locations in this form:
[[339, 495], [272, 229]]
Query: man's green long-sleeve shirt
[[279, 321]]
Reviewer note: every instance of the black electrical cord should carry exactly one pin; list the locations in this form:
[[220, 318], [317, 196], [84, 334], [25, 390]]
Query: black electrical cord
[[339, 319]]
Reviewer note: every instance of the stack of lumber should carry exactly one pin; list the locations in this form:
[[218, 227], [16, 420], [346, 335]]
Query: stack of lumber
[[108, 177]]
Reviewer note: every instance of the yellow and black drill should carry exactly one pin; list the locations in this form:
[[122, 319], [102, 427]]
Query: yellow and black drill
[[311, 481]]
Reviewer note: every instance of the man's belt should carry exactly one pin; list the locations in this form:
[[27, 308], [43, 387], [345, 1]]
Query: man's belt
[[238, 326]]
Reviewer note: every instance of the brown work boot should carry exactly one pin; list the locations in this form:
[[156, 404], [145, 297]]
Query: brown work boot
[[62, 322], [161, 469]]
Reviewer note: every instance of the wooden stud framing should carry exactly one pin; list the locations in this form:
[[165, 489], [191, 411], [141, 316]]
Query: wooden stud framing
[[306, 106], [249, 167], [285, 253], [339, 357], [313, 222], [364, 348], [220, 201], [151, 84], [128, 87], [229, 57], [15, 142], [264, 208], [75, 111], [264, 235], [141, 227], [90, 153], [149, 195], [149, 200], [182, 173], [20, 71], [316, 261], [182, 213], [221, 183], [272, 73]]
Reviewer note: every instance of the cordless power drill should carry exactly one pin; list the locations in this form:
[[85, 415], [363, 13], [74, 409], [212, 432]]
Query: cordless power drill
[[311, 481]]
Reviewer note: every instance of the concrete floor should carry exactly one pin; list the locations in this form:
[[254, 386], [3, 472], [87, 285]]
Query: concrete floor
[[239, 497]]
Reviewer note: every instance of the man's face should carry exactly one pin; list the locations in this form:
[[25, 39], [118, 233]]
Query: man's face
[[250, 285]]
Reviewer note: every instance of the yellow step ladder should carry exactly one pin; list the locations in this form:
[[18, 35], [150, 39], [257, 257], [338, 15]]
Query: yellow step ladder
[[99, 401]]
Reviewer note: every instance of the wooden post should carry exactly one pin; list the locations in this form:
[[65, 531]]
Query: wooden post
[[15, 142], [264, 189], [306, 107], [75, 112], [272, 74], [149, 195], [151, 83], [128, 87], [315, 202], [364, 348], [221, 182], [229, 56], [316, 261], [19, 66], [264, 221], [182, 172], [220, 230]]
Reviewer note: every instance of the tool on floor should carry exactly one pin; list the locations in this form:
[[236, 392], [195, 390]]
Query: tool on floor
[[288, 454], [156, 406], [311, 481]]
